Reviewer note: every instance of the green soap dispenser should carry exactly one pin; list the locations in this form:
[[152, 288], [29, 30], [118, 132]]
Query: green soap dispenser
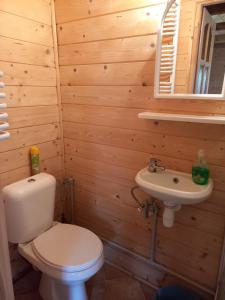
[[200, 170]]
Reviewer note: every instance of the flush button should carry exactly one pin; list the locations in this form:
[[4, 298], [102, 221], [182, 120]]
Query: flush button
[[31, 180]]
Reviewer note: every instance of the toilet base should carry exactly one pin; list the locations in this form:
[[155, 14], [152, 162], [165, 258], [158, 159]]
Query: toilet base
[[51, 289]]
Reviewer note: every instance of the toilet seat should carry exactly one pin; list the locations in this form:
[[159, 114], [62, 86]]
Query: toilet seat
[[68, 248]]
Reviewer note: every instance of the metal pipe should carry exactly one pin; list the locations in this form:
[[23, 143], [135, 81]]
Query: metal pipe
[[70, 182], [139, 203], [155, 211], [151, 260], [160, 267]]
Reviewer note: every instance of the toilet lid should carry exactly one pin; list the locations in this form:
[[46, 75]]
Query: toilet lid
[[69, 248]]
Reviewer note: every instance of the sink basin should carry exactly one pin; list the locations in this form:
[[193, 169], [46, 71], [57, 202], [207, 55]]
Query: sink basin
[[174, 189]]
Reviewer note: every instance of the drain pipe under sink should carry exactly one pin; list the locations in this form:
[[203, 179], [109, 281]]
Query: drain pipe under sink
[[151, 260], [169, 214]]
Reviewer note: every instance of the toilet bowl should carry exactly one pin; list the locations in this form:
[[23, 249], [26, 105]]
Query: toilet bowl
[[67, 255]]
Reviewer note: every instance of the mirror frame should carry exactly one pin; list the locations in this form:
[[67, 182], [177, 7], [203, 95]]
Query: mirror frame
[[157, 66]]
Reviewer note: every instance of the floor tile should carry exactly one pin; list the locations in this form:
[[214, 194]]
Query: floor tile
[[112, 272], [98, 292], [148, 292], [108, 284], [123, 288], [99, 277]]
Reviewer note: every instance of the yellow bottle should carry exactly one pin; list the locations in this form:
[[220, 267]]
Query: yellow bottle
[[35, 160]]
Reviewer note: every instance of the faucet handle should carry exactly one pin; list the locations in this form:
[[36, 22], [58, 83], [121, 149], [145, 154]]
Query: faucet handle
[[154, 165]]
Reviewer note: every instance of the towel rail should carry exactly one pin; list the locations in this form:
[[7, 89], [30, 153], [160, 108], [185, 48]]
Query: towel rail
[[3, 115]]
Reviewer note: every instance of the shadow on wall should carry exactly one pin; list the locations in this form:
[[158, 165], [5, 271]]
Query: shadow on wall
[[87, 214]]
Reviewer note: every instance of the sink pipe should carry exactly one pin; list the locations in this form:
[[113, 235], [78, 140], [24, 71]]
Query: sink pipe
[[169, 215], [146, 207], [69, 188], [154, 209]]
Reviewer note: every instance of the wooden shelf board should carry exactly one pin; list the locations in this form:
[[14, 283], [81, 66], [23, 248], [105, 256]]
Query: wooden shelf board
[[209, 119]]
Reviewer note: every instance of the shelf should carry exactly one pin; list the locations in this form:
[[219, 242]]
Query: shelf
[[182, 118]]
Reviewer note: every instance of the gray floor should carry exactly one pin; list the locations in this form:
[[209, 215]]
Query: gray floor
[[108, 284]]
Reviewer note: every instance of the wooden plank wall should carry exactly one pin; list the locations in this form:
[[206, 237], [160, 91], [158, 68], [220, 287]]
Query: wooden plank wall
[[27, 59], [106, 54]]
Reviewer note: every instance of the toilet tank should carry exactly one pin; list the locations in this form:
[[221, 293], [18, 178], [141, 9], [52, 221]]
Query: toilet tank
[[29, 207]]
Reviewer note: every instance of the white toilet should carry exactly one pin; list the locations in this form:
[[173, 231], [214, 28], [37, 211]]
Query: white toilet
[[67, 255]]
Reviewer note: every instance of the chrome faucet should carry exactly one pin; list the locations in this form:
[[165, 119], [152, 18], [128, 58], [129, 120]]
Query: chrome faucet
[[154, 165]]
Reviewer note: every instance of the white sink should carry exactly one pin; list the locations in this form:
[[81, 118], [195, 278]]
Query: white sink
[[174, 189]]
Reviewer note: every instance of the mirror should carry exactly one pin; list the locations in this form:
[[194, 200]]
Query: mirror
[[190, 59]]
